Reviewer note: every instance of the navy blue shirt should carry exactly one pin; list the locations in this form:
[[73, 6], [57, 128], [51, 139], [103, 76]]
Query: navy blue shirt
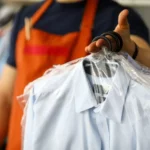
[[65, 18]]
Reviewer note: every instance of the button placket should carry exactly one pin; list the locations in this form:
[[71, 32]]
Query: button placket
[[103, 128]]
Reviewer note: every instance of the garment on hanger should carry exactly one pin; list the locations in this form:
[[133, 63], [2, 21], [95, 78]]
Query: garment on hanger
[[98, 102], [4, 44], [8, 13], [136, 64]]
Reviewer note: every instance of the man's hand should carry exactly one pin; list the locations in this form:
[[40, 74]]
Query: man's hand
[[122, 28]]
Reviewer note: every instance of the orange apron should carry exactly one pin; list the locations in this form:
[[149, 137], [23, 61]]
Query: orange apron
[[36, 55]]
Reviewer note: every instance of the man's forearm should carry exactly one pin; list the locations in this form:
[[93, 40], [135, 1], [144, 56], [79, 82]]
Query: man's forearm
[[5, 108], [143, 55]]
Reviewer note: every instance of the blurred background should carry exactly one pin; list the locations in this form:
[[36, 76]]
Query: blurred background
[[141, 6], [9, 8]]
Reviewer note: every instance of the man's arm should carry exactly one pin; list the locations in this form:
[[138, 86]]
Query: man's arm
[[144, 50], [7, 81], [123, 29]]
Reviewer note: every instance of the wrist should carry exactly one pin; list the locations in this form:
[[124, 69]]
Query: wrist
[[130, 47]]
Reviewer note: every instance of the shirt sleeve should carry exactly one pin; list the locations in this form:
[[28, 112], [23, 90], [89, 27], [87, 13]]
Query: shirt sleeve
[[16, 27]]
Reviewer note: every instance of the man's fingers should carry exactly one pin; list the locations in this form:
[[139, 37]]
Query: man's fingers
[[92, 48], [122, 27], [97, 45], [100, 43]]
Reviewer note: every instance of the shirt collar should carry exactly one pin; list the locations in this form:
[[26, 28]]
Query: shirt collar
[[112, 107]]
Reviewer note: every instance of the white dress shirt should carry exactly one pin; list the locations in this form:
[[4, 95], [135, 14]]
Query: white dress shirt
[[64, 114]]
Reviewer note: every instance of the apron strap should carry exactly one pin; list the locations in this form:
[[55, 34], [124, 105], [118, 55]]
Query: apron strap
[[86, 28], [36, 17], [88, 17], [30, 22], [89, 14]]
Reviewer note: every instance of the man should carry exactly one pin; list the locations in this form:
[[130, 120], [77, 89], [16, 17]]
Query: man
[[56, 32]]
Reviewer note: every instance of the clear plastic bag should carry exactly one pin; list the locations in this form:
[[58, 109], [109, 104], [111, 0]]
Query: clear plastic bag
[[109, 76]]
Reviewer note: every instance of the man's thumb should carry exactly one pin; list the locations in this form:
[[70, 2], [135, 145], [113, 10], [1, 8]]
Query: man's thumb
[[123, 20]]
